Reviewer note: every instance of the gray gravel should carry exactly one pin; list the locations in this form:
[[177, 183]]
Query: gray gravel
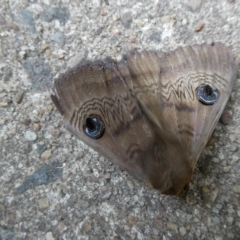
[[52, 186]]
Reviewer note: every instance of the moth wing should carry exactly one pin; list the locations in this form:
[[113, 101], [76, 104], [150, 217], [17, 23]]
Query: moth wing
[[165, 85], [99, 89]]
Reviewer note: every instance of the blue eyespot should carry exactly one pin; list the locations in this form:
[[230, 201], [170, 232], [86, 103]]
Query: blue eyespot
[[207, 95], [94, 127]]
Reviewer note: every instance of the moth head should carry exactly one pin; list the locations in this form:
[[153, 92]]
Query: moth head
[[94, 127], [207, 95]]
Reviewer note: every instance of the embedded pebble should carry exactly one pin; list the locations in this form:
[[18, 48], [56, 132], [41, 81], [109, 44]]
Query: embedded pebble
[[236, 188], [107, 176], [3, 104], [31, 136], [46, 154], [216, 220], [59, 13], [41, 148], [49, 236], [73, 61], [172, 226], [59, 38], [127, 19], [3, 94], [27, 20], [43, 203], [7, 74], [36, 127], [199, 27], [226, 118], [182, 231], [214, 194], [106, 196], [193, 5], [19, 97]]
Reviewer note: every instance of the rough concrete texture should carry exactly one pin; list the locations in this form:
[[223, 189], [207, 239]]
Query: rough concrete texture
[[52, 186]]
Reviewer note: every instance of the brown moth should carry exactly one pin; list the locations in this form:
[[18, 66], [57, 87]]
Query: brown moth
[[153, 112]]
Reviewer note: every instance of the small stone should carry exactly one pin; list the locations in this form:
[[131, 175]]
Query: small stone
[[130, 184], [236, 188], [49, 236], [43, 203], [205, 167], [126, 19], [238, 213], [184, 21], [2, 208], [60, 13], [156, 36], [205, 190], [182, 231], [215, 160], [155, 231], [235, 158], [230, 220], [107, 176], [194, 5], [209, 222], [210, 41], [46, 155], [133, 40], [43, 47], [61, 227], [214, 194], [27, 121], [59, 38], [27, 20], [73, 61], [55, 132], [41, 148], [172, 226], [131, 220], [106, 196], [117, 32], [126, 228], [232, 138], [19, 97], [2, 121], [50, 108], [7, 74], [226, 118], [234, 147], [61, 56], [41, 111], [216, 220], [3, 94], [211, 141], [27, 147], [103, 12], [36, 127], [3, 104], [199, 27], [226, 169], [135, 197], [233, 97], [87, 226], [30, 136], [22, 54], [215, 210]]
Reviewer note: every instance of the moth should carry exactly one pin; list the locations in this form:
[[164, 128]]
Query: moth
[[153, 112]]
